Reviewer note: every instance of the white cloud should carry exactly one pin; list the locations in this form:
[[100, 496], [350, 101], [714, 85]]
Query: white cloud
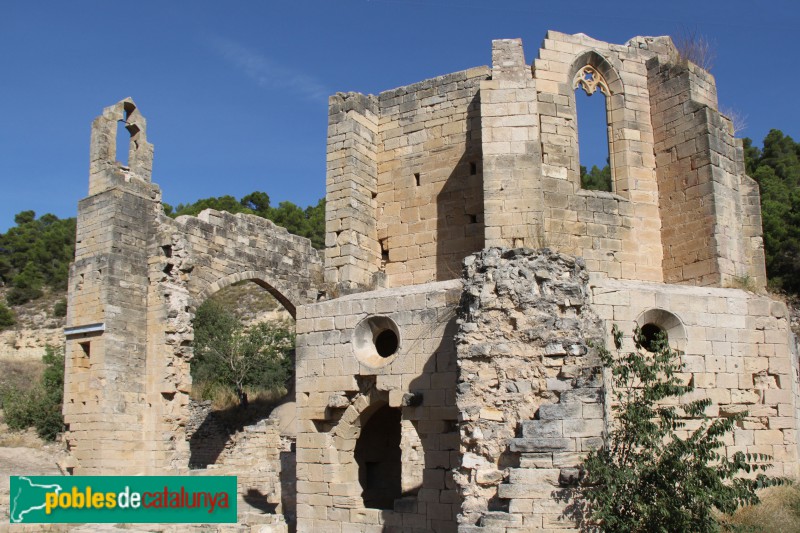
[[268, 73]]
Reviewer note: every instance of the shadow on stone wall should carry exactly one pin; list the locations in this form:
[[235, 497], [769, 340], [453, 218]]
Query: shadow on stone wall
[[436, 422], [459, 205], [210, 432]]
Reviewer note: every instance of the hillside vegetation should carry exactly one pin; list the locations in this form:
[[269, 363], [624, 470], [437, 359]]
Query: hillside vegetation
[[776, 168], [35, 253]]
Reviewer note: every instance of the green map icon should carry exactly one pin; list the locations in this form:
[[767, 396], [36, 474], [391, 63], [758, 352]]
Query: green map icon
[[27, 502]]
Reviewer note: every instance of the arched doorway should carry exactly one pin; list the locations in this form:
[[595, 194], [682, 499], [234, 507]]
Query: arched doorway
[[242, 366], [379, 458]]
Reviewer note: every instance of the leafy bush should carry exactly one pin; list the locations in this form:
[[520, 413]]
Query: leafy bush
[[228, 354], [6, 317], [60, 308], [654, 474], [17, 296], [40, 405]]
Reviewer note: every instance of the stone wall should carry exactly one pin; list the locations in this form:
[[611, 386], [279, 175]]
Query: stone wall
[[422, 175], [254, 456], [344, 384], [529, 389], [617, 233], [352, 252], [430, 198], [531, 395], [405, 201], [711, 221], [138, 275], [736, 349]]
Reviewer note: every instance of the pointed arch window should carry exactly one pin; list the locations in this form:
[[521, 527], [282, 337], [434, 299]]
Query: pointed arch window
[[594, 177]]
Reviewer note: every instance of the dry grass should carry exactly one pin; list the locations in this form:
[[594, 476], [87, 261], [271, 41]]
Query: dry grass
[[18, 439], [779, 511], [695, 47], [226, 408], [224, 398], [738, 119], [20, 375]]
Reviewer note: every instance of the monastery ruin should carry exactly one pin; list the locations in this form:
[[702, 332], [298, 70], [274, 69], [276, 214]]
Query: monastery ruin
[[445, 375]]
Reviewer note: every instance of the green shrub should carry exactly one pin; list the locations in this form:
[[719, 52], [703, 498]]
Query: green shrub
[[238, 358], [6, 317], [654, 474], [19, 296], [60, 308], [40, 405]]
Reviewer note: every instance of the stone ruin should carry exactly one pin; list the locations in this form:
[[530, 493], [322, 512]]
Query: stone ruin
[[445, 375]]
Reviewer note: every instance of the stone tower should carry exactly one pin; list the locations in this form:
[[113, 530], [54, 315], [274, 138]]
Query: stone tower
[[107, 319]]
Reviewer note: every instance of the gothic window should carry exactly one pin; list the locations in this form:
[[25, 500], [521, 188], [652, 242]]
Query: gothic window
[[594, 129]]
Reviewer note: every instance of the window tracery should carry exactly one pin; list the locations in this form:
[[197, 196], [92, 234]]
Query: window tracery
[[589, 79]]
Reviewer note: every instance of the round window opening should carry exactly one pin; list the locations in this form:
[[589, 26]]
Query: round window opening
[[376, 340], [386, 343], [653, 336]]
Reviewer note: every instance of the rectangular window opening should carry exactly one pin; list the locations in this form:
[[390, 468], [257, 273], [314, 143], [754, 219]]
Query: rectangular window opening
[[384, 250], [123, 143], [86, 347], [416, 178]]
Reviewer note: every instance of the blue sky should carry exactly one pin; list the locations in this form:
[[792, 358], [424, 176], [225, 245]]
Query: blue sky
[[235, 93]]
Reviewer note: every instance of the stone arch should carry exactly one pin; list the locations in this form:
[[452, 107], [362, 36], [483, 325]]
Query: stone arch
[[196, 257], [199, 445], [363, 407], [613, 88], [603, 65], [280, 291], [347, 433], [667, 322]]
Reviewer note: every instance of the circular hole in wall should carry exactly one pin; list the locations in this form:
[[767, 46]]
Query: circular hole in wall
[[652, 333], [376, 340], [667, 322], [386, 343]]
